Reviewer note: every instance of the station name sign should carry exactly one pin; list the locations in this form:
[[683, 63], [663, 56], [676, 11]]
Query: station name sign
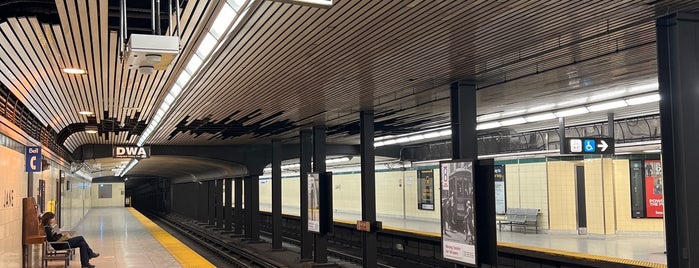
[[588, 146], [130, 152]]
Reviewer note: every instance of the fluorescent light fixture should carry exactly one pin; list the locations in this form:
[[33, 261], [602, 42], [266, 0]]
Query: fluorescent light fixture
[[571, 112], [416, 137], [488, 125], [207, 45], [86, 113], [74, 71], [607, 95], [506, 114], [607, 106], [487, 117], [91, 129], [571, 102], [389, 142], [513, 121], [653, 151], [316, 3], [431, 135], [128, 168], [540, 117], [445, 132], [643, 99], [223, 20], [183, 78], [194, 64], [379, 144], [644, 87], [541, 107], [623, 153], [402, 140]]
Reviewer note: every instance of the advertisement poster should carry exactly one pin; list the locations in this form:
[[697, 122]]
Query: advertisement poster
[[499, 189], [654, 188], [425, 189], [458, 211], [313, 203], [638, 206]]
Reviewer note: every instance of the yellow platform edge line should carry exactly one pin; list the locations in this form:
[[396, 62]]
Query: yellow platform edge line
[[181, 252], [583, 256]]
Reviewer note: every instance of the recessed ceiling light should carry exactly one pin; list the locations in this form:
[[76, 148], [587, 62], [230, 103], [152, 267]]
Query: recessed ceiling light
[[74, 71], [85, 112]]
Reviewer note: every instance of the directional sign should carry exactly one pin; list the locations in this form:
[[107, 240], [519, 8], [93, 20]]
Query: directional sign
[[588, 146], [33, 158]]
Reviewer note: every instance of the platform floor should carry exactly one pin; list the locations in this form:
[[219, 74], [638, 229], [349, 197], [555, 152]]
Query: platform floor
[[124, 241]]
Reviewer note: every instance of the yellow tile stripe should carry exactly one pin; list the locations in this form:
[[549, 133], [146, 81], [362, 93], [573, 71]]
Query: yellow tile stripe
[[182, 253]]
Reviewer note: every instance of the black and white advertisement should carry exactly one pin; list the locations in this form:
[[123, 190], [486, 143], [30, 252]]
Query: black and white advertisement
[[313, 203], [499, 189], [425, 189], [458, 211]]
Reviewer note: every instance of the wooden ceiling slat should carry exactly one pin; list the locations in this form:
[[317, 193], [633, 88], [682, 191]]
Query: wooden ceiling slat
[[72, 87], [74, 44]]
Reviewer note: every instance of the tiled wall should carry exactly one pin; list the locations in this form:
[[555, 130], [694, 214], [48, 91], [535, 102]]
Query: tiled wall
[[390, 188], [526, 187], [117, 199], [76, 202], [599, 196], [625, 223], [562, 203], [13, 187]]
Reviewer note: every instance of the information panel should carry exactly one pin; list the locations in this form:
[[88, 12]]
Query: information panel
[[654, 189], [313, 203], [588, 146], [638, 208], [33, 159], [458, 211], [425, 189], [499, 189]]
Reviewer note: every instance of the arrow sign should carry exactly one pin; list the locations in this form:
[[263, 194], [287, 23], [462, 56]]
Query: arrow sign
[[603, 145], [588, 145]]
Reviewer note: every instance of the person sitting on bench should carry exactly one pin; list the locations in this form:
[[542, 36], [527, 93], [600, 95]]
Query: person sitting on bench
[[86, 253]]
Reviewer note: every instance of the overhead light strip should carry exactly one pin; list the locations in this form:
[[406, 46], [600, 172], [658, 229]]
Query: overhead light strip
[[225, 23]]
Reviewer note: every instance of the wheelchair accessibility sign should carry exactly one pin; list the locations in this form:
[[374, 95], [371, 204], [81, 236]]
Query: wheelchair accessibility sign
[[588, 146]]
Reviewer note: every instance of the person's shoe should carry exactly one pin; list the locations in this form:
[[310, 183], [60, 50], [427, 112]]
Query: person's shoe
[[94, 255], [89, 265]]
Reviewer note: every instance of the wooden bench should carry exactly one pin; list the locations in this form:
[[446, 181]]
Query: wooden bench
[[520, 217]]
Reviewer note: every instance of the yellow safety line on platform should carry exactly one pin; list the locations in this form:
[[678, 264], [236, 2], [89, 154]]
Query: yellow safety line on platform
[[182, 253], [584, 256]]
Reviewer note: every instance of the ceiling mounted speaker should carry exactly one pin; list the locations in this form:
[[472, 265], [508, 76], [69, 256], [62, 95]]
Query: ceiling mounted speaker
[[145, 70], [154, 58]]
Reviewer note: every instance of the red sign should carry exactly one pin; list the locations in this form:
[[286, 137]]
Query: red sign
[[654, 189]]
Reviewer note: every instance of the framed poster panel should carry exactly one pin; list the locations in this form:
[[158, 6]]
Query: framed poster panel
[[499, 174], [458, 216], [425, 189], [319, 202], [654, 188], [313, 203]]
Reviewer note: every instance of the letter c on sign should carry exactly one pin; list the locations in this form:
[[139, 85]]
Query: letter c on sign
[[32, 162]]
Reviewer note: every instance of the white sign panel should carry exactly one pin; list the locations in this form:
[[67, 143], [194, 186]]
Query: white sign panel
[[130, 152]]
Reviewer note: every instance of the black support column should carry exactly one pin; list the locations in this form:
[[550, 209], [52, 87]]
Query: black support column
[[321, 243], [211, 201], [228, 206], [561, 133], [252, 207], [368, 181], [276, 195], [202, 209], [306, 140], [678, 62], [219, 203], [238, 212], [464, 142]]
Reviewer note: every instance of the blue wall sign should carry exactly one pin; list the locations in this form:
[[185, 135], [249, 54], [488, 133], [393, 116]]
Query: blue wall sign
[[589, 145], [33, 158]]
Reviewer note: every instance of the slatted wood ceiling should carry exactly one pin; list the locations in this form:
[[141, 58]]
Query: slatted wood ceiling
[[324, 65], [33, 55]]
